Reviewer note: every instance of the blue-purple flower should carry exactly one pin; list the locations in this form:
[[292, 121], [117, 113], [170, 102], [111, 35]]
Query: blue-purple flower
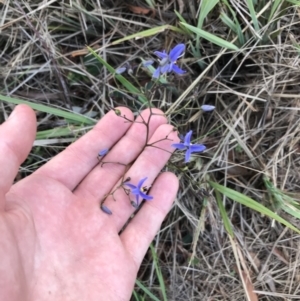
[[122, 69], [168, 61], [189, 147], [103, 152], [105, 209], [207, 108], [139, 191]]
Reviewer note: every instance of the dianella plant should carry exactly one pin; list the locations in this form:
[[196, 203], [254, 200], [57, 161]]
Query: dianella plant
[[160, 71]]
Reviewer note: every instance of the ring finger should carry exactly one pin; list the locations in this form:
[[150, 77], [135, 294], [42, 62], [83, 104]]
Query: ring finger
[[148, 165]]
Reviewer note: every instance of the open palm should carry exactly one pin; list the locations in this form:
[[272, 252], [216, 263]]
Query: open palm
[[56, 244]]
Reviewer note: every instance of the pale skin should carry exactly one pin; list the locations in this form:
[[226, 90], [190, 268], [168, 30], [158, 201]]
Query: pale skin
[[56, 243]]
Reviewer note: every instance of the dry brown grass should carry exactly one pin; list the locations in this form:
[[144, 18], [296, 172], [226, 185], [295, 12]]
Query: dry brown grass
[[254, 131]]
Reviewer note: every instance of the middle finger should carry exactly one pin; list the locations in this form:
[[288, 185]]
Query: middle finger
[[103, 177]]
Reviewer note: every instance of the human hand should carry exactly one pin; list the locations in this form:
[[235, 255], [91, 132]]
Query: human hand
[[56, 243]]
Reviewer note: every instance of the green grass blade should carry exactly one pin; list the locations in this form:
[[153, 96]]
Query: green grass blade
[[281, 200], [210, 37], [159, 274], [292, 210], [46, 109], [130, 87], [238, 27], [234, 26], [147, 33], [136, 296], [253, 14], [226, 221], [274, 8], [227, 21], [60, 132], [181, 19], [206, 7], [250, 203], [146, 291], [151, 3], [296, 2]]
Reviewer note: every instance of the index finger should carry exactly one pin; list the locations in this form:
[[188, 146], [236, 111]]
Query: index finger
[[17, 136], [78, 159]]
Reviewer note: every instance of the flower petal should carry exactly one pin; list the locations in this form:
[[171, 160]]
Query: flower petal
[[103, 152], [156, 73], [137, 198], [141, 182], [164, 68], [187, 138], [147, 63], [161, 55], [180, 146], [171, 65], [197, 148], [120, 70], [106, 209], [131, 186], [177, 70], [176, 52], [146, 196], [207, 108], [187, 156]]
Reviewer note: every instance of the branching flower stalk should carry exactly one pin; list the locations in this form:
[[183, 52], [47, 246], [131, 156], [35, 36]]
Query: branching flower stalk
[[166, 65]]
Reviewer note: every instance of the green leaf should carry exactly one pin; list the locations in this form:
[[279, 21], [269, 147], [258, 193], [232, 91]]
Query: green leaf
[[210, 37], [227, 21], [146, 291], [274, 8], [181, 19], [281, 200], [296, 2], [130, 87], [60, 132], [226, 221], [50, 110], [159, 274], [151, 3], [253, 15], [147, 33], [236, 26], [206, 7], [250, 203]]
